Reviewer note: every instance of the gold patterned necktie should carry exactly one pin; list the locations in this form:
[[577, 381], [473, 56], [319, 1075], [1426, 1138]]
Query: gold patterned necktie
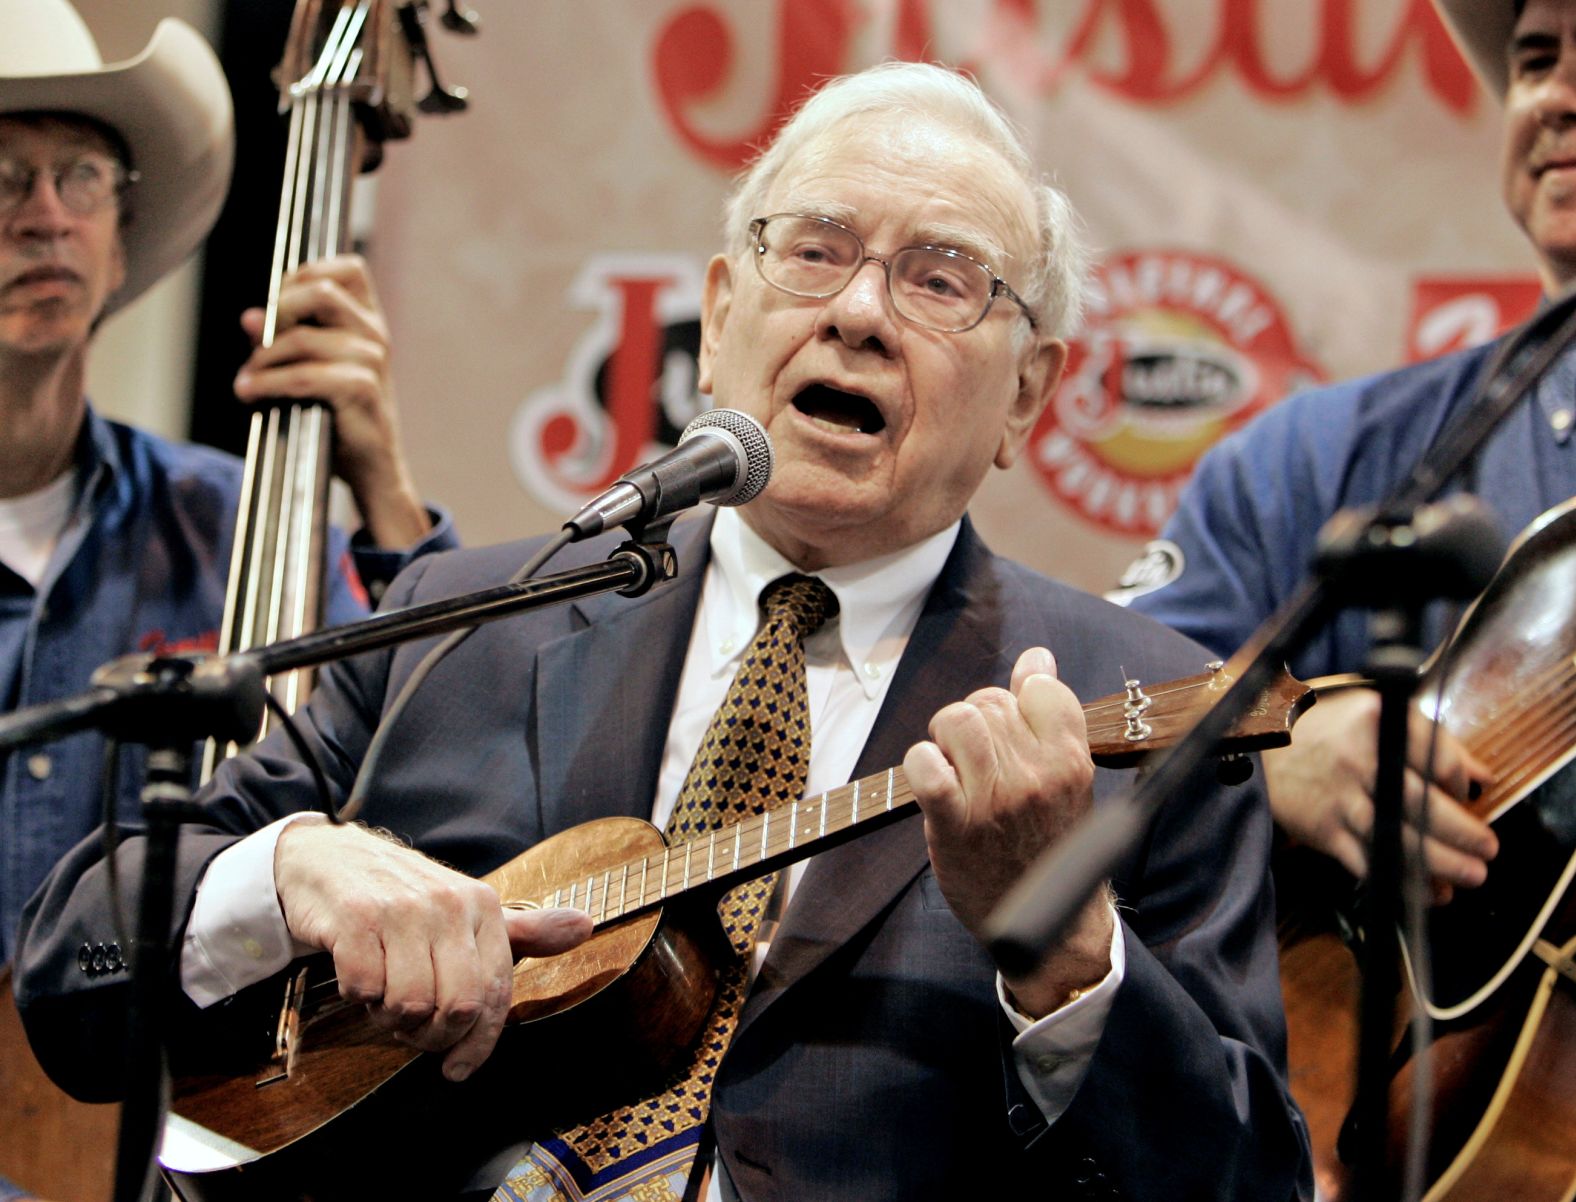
[[755, 754]]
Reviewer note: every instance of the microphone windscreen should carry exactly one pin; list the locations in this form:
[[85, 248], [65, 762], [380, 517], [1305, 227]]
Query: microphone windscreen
[[753, 443]]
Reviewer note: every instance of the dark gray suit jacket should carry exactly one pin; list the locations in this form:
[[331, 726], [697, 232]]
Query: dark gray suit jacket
[[871, 1060]]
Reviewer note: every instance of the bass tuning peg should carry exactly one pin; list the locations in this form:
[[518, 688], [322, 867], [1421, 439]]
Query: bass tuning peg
[[458, 20]]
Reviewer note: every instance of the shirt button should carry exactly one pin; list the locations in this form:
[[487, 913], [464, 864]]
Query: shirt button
[[872, 671], [1560, 419], [39, 766], [252, 948], [726, 647]]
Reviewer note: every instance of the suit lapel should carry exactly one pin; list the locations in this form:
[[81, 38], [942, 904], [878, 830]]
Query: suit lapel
[[956, 647], [605, 692]]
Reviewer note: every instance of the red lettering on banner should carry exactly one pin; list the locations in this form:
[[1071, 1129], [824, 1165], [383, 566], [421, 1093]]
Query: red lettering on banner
[[1149, 75], [627, 380], [694, 55], [1451, 313], [632, 371]]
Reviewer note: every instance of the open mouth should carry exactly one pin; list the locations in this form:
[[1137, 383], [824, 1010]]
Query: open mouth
[[839, 410]]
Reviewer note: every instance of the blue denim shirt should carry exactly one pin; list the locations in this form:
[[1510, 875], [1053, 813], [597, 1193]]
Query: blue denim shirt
[[1245, 532], [141, 568]]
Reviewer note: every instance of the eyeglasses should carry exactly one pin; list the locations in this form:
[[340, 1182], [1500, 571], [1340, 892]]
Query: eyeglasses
[[85, 184], [931, 286]]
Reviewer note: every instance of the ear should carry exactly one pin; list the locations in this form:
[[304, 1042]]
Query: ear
[[1037, 383], [715, 301], [117, 264]]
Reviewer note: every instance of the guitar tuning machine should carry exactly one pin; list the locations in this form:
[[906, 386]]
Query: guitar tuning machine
[[1218, 678], [1136, 705]]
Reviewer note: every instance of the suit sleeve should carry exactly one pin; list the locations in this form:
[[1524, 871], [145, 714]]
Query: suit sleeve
[[72, 1005], [1186, 1096]]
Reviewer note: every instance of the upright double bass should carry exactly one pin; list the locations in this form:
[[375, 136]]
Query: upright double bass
[[348, 82]]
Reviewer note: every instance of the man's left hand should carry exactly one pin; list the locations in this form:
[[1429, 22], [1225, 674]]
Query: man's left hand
[[1005, 774], [331, 343]]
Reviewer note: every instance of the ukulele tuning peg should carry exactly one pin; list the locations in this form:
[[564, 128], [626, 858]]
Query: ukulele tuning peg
[[1134, 706]]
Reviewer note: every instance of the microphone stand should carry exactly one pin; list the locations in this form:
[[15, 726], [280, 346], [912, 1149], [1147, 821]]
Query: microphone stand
[[172, 703], [1039, 907]]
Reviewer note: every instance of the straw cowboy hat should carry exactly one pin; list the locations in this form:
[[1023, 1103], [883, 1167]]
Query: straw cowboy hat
[[1482, 29], [170, 105]]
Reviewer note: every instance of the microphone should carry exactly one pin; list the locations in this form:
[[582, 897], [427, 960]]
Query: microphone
[[723, 456], [1449, 548]]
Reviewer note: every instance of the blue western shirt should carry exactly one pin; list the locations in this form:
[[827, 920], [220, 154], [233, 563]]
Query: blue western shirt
[[1246, 529], [140, 568]]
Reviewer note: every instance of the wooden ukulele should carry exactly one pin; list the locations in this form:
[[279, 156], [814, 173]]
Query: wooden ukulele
[[276, 1122], [1502, 993]]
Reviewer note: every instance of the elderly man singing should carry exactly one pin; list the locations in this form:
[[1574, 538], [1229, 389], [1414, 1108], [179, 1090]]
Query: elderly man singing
[[890, 307]]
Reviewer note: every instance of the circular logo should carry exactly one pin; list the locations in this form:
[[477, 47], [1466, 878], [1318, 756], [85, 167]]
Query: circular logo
[[1177, 350]]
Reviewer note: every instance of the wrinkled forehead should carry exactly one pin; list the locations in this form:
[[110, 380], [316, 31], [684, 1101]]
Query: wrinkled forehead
[[937, 182], [58, 133], [1530, 14]]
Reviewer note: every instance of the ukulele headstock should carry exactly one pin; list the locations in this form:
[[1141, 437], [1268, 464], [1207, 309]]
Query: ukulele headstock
[[1124, 727]]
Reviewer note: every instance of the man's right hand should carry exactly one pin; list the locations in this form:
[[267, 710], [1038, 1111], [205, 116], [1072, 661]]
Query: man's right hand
[[428, 950], [1321, 790]]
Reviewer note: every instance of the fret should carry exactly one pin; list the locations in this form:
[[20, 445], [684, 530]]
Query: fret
[[711, 855], [823, 816], [607, 878], [571, 895], [891, 772], [667, 860], [766, 819], [687, 848], [793, 825], [854, 814], [590, 891], [645, 863], [623, 890], [738, 830]]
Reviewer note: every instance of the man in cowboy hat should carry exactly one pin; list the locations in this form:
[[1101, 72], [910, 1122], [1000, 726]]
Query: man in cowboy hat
[[113, 540], [1243, 547]]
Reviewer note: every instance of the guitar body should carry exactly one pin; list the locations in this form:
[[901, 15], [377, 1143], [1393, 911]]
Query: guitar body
[[357, 1114], [1503, 1033], [50, 1143]]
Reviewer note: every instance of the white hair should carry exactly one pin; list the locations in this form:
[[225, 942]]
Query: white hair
[[1054, 289]]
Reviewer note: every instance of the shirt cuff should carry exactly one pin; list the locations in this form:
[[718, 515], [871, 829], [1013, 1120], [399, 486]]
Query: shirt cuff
[[237, 935], [377, 566], [1052, 1054]]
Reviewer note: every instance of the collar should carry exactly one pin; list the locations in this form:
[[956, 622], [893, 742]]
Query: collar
[[878, 600], [98, 453]]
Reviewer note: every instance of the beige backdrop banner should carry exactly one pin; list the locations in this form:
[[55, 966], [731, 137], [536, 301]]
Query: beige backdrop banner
[[1281, 191]]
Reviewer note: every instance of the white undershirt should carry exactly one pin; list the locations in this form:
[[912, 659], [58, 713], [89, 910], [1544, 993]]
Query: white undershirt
[[237, 935], [31, 526]]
